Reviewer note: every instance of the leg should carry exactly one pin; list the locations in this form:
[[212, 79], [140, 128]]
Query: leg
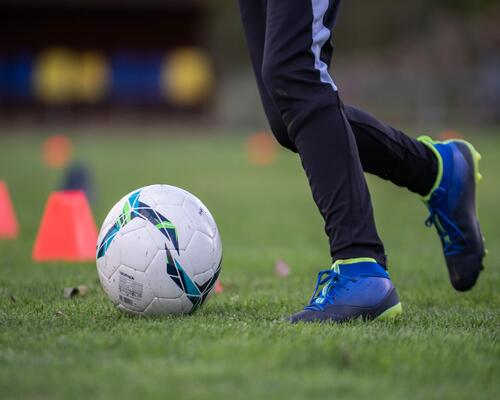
[[295, 73], [391, 155]]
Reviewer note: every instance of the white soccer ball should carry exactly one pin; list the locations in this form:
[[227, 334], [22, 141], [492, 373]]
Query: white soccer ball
[[159, 252]]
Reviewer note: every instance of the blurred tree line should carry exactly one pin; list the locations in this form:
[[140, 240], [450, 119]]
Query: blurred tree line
[[362, 25], [420, 55]]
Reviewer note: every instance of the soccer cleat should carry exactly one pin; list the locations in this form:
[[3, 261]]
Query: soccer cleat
[[353, 288], [452, 206]]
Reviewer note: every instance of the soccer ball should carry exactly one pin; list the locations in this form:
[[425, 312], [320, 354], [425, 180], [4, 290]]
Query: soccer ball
[[159, 252]]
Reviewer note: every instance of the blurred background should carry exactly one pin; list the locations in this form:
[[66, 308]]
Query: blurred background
[[429, 64]]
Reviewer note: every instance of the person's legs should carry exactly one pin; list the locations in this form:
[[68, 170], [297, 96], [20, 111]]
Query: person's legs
[[383, 150], [297, 79]]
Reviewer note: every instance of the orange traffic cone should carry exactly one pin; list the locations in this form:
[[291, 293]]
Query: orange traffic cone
[[68, 231], [8, 221]]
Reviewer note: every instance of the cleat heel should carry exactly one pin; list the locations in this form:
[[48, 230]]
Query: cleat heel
[[476, 156]]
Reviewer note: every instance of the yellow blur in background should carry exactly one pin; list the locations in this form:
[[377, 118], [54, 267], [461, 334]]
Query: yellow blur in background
[[64, 76], [187, 77]]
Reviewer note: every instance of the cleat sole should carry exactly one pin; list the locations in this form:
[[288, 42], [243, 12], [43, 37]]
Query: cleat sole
[[392, 313]]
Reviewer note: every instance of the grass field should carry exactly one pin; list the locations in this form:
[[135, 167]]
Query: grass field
[[237, 346]]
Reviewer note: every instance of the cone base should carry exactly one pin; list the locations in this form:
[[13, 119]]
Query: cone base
[[67, 232]]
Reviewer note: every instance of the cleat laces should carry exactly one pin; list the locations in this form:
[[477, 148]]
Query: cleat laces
[[327, 286], [451, 236]]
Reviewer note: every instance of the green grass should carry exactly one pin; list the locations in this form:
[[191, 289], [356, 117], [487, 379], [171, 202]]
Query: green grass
[[237, 345]]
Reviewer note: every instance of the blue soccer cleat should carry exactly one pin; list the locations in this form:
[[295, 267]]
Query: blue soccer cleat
[[354, 288], [452, 207]]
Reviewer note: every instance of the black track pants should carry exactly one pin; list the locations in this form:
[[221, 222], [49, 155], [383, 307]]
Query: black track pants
[[290, 50]]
